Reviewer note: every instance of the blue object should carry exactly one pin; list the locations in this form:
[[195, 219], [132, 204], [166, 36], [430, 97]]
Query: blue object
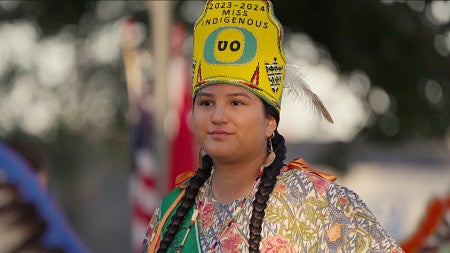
[[58, 234]]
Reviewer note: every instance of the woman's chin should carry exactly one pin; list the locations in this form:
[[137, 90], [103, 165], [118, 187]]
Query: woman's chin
[[219, 155]]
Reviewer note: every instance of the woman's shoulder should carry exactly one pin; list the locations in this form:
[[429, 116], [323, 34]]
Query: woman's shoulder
[[181, 183], [300, 164], [330, 207], [299, 174]]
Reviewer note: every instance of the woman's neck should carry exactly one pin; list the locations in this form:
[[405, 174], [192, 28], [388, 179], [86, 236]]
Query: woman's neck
[[234, 181]]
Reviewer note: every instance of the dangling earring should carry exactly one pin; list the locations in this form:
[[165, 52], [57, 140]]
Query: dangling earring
[[200, 157], [201, 154], [270, 154]]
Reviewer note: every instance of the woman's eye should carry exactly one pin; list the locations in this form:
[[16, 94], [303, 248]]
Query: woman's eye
[[204, 103], [237, 103]]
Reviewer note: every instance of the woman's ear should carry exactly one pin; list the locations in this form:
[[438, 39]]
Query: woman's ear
[[271, 126]]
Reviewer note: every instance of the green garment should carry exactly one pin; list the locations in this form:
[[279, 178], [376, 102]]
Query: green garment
[[191, 244]]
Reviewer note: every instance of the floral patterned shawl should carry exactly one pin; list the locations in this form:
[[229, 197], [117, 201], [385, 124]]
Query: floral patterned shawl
[[305, 213]]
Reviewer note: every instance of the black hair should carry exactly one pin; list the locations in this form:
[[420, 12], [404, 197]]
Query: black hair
[[268, 182], [265, 188], [187, 201]]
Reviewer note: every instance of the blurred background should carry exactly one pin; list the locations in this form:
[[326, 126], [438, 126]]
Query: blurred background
[[102, 90]]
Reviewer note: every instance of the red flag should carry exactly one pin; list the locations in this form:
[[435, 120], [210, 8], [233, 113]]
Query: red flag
[[182, 153]]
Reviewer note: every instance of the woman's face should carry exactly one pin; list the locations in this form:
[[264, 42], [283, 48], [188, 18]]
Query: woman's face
[[230, 123]]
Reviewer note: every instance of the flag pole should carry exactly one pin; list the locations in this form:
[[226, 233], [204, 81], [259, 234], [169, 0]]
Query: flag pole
[[160, 20]]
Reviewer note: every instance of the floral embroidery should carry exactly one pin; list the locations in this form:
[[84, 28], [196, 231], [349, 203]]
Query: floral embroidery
[[279, 188], [275, 244], [206, 215], [320, 183], [343, 200], [231, 243], [334, 232]]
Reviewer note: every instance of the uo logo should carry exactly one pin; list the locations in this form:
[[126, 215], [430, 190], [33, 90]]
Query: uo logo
[[230, 45]]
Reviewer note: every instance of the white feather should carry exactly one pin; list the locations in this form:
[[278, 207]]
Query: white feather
[[295, 87]]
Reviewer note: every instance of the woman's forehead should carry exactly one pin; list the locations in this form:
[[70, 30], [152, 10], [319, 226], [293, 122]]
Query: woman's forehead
[[225, 89]]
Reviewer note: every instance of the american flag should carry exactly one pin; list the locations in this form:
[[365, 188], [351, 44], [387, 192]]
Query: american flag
[[144, 194]]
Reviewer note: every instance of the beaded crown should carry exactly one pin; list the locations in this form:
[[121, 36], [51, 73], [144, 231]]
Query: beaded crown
[[239, 42]]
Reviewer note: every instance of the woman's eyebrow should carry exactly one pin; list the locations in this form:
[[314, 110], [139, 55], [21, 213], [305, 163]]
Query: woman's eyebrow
[[204, 94], [239, 94]]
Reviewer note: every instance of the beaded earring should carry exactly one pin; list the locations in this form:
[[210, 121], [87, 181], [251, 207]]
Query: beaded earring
[[270, 154], [200, 156], [201, 153]]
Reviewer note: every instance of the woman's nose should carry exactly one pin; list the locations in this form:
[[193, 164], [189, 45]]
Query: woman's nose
[[219, 114]]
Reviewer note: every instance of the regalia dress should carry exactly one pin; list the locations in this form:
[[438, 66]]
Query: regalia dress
[[306, 212]]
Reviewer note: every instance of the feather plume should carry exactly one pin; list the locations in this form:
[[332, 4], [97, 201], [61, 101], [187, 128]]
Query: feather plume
[[296, 87]]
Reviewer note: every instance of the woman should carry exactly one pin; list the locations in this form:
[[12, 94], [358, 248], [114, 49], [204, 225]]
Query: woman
[[243, 198]]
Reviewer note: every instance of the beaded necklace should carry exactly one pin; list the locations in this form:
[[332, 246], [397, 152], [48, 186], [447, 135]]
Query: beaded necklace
[[199, 208], [227, 224]]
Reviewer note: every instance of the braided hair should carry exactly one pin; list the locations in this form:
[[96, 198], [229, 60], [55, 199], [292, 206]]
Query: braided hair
[[187, 201], [265, 188], [268, 182]]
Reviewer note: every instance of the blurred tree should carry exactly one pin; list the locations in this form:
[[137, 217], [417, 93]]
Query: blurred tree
[[394, 45]]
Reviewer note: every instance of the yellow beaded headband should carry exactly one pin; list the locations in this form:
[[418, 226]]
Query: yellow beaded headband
[[239, 43]]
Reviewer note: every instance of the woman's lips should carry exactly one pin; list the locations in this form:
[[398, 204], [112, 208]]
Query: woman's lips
[[219, 134]]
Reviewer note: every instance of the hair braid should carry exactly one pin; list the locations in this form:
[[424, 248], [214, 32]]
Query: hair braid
[[265, 188], [187, 201]]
